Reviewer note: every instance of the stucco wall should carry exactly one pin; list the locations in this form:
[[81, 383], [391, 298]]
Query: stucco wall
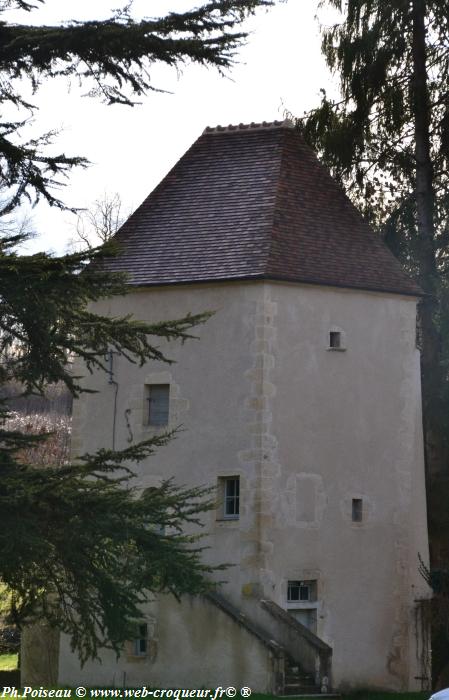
[[307, 429], [39, 656], [343, 425], [210, 386], [194, 645]]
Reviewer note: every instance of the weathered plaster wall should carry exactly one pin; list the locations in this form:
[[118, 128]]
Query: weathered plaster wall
[[194, 645], [307, 430], [343, 425], [210, 387], [39, 656]]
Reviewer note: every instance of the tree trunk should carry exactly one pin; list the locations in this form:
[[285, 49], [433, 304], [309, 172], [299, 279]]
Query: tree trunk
[[428, 274]]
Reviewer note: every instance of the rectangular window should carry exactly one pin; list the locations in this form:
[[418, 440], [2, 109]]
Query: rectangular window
[[141, 641], [301, 591], [158, 397], [231, 497], [357, 510], [302, 602], [335, 339]]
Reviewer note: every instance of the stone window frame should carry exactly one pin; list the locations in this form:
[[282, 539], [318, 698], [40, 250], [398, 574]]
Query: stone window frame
[[367, 509], [341, 346], [223, 482], [312, 587], [147, 421], [310, 605], [133, 652]]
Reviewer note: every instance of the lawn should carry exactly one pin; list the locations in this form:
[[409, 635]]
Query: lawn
[[367, 695], [371, 695], [8, 662]]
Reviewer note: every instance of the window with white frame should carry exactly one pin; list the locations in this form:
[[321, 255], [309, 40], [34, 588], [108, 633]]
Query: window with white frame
[[158, 404], [229, 497], [302, 603], [301, 591]]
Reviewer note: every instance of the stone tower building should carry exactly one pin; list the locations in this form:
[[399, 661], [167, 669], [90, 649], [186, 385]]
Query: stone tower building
[[300, 402]]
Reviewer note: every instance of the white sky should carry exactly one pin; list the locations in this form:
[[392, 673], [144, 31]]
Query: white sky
[[131, 149]]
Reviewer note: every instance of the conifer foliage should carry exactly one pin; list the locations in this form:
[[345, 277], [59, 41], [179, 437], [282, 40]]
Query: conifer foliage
[[387, 140], [77, 549], [112, 60]]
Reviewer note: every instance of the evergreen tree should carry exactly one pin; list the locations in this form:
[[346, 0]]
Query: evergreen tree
[[112, 58], [77, 550], [387, 140]]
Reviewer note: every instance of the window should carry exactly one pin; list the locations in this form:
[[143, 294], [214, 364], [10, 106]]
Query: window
[[301, 591], [335, 340], [141, 641], [357, 510], [158, 397], [230, 491], [302, 603]]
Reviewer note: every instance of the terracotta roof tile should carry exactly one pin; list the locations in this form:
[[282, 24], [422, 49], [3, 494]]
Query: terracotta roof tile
[[253, 201]]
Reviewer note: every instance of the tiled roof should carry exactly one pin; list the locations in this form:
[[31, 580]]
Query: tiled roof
[[253, 202]]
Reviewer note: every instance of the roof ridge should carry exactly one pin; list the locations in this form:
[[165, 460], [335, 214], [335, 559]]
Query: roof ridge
[[253, 126]]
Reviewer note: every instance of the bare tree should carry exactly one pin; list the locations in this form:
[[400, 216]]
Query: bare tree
[[54, 429], [97, 224]]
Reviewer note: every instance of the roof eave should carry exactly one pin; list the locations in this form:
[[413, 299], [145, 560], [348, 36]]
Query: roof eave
[[279, 278]]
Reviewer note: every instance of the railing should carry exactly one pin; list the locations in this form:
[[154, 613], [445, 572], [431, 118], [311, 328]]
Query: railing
[[309, 651], [285, 637], [276, 649]]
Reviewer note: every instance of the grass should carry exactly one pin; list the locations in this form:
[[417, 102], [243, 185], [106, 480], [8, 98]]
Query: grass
[[8, 662], [379, 695]]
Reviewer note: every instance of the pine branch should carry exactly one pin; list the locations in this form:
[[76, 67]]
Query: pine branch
[[114, 58], [123, 49], [56, 324], [78, 550], [126, 543]]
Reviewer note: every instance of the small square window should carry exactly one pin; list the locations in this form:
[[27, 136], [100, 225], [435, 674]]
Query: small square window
[[158, 398], [357, 510], [229, 494], [141, 641]]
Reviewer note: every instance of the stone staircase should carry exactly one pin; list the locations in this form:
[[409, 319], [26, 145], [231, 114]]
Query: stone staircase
[[302, 661], [308, 659], [297, 681]]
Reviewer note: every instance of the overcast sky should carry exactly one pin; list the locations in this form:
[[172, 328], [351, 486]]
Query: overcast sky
[[131, 149]]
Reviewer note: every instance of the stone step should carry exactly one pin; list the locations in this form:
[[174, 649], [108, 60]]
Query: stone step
[[298, 689]]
